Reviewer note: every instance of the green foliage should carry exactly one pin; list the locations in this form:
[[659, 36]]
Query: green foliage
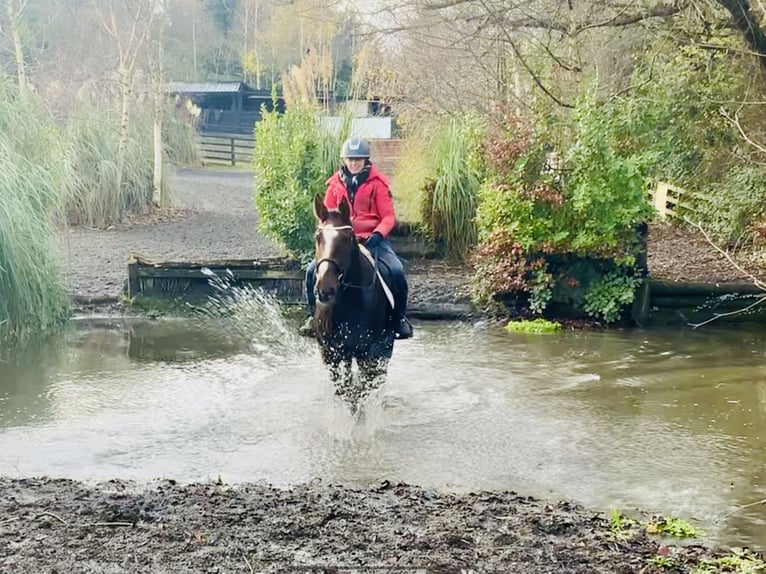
[[568, 239], [675, 119], [450, 193], [31, 292], [621, 527], [675, 527], [533, 326], [674, 110], [293, 158], [606, 188], [611, 293], [740, 561], [736, 204]]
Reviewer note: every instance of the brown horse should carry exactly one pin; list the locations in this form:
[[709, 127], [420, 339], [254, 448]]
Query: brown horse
[[352, 317]]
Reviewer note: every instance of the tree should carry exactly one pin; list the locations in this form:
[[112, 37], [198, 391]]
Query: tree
[[480, 51]]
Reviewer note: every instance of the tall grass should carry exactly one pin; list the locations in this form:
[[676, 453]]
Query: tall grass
[[438, 180], [96, 194], [31, 292], [181, 143]]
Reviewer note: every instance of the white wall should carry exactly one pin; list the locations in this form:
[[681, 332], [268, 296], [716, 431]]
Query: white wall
[[368, 128]]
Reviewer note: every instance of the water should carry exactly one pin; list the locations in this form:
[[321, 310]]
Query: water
[[669, 421]]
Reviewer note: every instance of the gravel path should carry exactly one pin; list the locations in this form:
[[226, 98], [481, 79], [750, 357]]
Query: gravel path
[[212, 218]]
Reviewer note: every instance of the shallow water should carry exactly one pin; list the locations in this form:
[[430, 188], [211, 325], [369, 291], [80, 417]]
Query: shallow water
[[669, 421]]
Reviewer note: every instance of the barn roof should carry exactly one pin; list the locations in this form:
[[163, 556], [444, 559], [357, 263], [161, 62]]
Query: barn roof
[[207, 87]]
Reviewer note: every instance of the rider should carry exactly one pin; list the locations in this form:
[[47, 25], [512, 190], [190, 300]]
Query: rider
[[372, 217]]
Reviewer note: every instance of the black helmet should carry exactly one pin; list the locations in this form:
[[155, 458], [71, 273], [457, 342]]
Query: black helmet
[[355, 148]]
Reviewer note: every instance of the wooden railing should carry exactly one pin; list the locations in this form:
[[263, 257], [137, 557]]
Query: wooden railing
[[673, 201], [230, 149]]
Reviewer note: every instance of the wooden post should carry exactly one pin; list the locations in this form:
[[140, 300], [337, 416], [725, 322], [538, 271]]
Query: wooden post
[[661, 199], [133, 282], [233, 152], [642, 303]]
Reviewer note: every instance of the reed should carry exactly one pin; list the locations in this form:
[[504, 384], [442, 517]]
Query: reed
[[32, 296], [451, 205], [97, 193]]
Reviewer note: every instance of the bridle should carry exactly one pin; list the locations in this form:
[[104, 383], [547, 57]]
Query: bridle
[[338, 266]]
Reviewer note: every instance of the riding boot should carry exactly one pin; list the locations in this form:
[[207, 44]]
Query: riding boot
[[402, 328], [307, 329]]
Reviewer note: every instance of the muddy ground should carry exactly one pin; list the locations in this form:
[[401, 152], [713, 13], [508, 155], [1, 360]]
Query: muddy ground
[[62, 526]]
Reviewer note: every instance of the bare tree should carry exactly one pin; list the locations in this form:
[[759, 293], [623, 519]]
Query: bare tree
[[472, 52], [128, 23], [14, 12]]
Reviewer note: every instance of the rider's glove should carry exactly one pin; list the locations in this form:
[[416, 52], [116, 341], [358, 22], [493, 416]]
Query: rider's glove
[[373, 240]]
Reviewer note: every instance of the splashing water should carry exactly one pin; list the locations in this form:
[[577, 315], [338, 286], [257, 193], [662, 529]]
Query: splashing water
[[256, 316]]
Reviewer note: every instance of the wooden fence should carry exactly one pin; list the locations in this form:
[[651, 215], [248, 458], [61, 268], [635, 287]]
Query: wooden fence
[[229, 149], [672, 201]]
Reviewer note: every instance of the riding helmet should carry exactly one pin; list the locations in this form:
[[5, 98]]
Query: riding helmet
[[355, 148]]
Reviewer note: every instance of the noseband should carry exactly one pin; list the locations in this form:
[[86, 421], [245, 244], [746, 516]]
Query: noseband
[[338, 266]]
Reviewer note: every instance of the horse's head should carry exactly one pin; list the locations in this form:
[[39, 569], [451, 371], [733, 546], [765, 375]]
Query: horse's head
[[335, 247]]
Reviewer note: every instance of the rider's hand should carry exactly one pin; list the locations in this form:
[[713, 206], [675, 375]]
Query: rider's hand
[[373, 240]]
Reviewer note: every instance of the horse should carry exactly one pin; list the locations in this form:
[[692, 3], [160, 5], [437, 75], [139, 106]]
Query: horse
[[352, 316]]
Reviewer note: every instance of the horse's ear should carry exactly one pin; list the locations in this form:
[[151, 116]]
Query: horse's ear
[[319, 208], [345, 211]]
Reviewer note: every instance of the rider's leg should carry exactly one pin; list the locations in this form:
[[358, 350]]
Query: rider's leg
[[388, 258], [307, 328]]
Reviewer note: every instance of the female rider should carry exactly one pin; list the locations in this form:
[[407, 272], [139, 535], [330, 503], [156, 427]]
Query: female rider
[[372, 217]]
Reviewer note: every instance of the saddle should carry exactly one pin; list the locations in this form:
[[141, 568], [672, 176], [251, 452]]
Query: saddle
[[383, 273]]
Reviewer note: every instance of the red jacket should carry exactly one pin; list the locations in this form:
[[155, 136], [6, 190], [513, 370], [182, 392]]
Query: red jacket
[[373, 208]]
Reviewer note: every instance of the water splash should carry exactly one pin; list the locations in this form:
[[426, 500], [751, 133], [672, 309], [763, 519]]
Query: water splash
[[254, 315]]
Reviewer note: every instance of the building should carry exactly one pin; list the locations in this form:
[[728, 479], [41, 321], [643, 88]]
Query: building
[[223, 107]]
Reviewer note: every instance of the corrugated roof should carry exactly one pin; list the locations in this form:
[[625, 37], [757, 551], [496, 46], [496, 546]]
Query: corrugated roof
[[207, 87]]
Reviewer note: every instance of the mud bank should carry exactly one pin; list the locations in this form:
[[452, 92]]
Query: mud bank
[[65, 526]]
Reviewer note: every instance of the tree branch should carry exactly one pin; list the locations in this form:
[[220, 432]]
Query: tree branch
[[736, 122], [743, 20]]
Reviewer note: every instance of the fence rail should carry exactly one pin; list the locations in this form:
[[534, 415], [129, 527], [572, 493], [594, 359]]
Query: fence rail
[[671, 201], [229, 149]]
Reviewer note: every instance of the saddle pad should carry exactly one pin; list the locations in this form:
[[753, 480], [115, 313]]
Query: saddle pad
[[386, 288]]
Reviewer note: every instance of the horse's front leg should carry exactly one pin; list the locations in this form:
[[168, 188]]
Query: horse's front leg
[[372, 372]]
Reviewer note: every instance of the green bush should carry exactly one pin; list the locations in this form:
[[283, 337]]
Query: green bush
[[735, 205], [566, 236], [293, 158]]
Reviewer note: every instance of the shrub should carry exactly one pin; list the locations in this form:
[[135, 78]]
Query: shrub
[[560, 239], [734, 206], [293, 157]]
